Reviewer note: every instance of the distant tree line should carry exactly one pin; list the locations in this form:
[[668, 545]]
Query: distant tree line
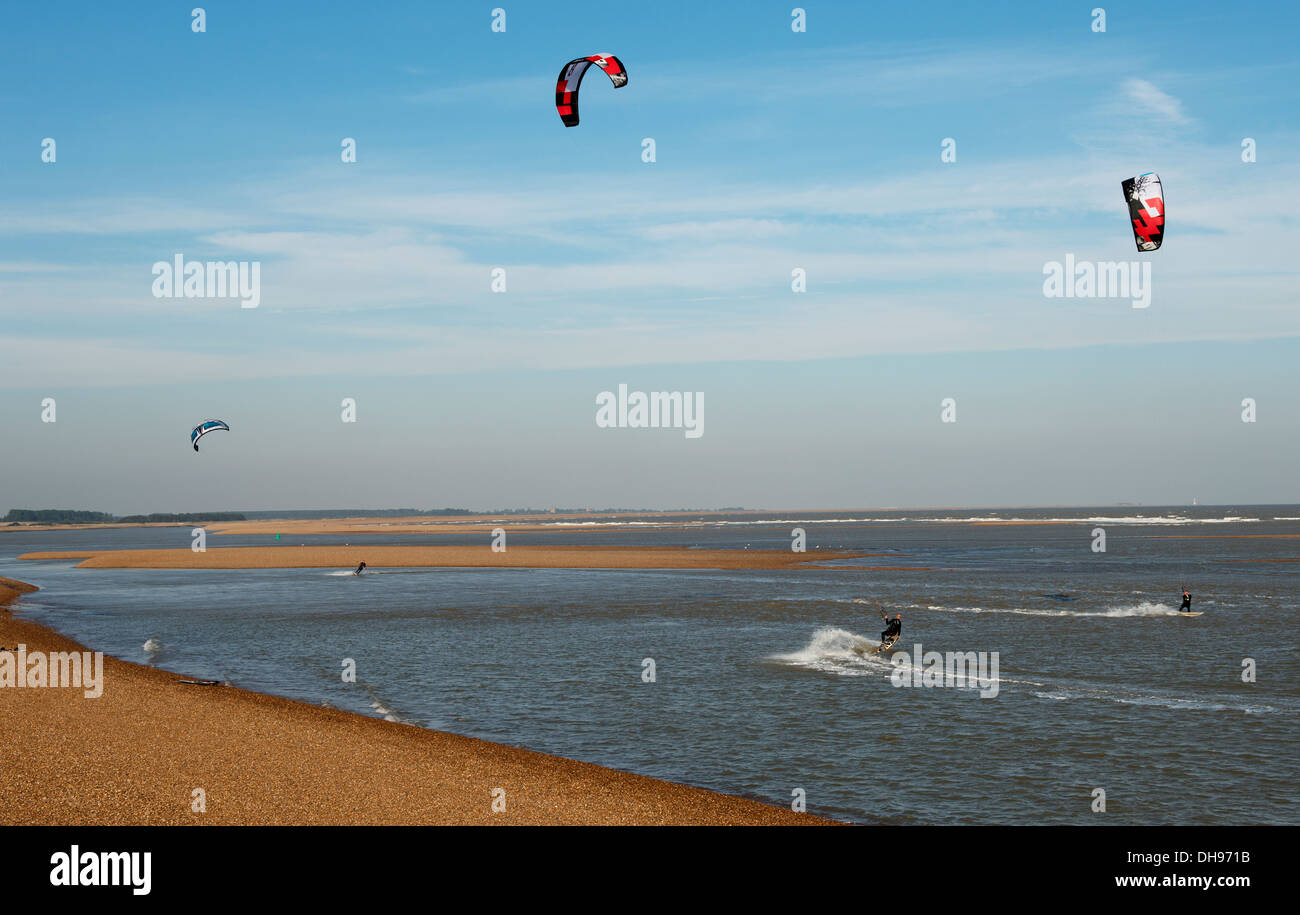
[[66, 516], [316, 513], [161, 518], [559, 510], [56, 516]]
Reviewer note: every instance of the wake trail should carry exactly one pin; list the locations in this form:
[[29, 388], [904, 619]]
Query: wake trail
[[1143, 609], [846, 653]]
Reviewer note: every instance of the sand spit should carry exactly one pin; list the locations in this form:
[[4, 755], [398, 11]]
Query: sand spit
[[439, 556]]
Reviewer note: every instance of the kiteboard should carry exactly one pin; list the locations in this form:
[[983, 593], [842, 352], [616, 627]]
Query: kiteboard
[[1189, 613], [879, 649]]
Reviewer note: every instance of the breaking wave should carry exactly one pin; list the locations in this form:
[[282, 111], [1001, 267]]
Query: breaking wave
[[838, 651]]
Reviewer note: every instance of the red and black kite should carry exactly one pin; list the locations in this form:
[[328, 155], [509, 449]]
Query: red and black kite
[[566, 88]]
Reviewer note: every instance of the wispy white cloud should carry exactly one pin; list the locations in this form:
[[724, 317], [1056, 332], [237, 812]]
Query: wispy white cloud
[[1153, 100]]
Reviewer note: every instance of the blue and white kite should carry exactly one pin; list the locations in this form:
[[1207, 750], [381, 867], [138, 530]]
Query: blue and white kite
[[202, 429]]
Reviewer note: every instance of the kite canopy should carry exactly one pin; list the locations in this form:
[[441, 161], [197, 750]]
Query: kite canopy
[[1146, 209], [203, 428], [566, 89]]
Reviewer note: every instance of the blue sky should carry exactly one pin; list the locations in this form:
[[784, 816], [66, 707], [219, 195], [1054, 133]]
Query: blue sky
[[775, 150]]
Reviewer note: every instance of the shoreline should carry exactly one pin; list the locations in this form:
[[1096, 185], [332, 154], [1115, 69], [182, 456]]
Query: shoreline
[[531, 556], [136, 755], [588, 521]]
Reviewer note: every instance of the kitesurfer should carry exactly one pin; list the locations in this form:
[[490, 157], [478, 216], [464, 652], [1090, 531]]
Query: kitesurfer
[[361, 568], [1187, 602], [893, 629]]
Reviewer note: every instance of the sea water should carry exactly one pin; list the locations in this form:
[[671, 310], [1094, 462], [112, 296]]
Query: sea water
[[765, 683]]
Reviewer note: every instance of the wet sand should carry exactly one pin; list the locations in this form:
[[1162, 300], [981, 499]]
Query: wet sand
[[9, 589], [136, 754]]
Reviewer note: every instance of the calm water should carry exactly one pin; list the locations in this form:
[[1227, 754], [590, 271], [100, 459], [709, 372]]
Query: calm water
[[759, 690]]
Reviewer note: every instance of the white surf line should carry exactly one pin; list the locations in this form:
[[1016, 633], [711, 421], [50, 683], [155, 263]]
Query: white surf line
[[1145, 609]]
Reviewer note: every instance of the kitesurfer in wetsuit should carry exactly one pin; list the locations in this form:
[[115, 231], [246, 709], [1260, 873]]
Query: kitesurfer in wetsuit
[[1187, 602], [893, 628], [361, 568]]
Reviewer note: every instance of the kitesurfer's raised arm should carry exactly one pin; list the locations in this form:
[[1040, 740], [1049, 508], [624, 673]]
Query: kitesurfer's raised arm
[[893, 628]]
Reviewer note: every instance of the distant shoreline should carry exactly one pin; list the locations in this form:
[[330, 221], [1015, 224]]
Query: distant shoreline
[[444, 522]]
